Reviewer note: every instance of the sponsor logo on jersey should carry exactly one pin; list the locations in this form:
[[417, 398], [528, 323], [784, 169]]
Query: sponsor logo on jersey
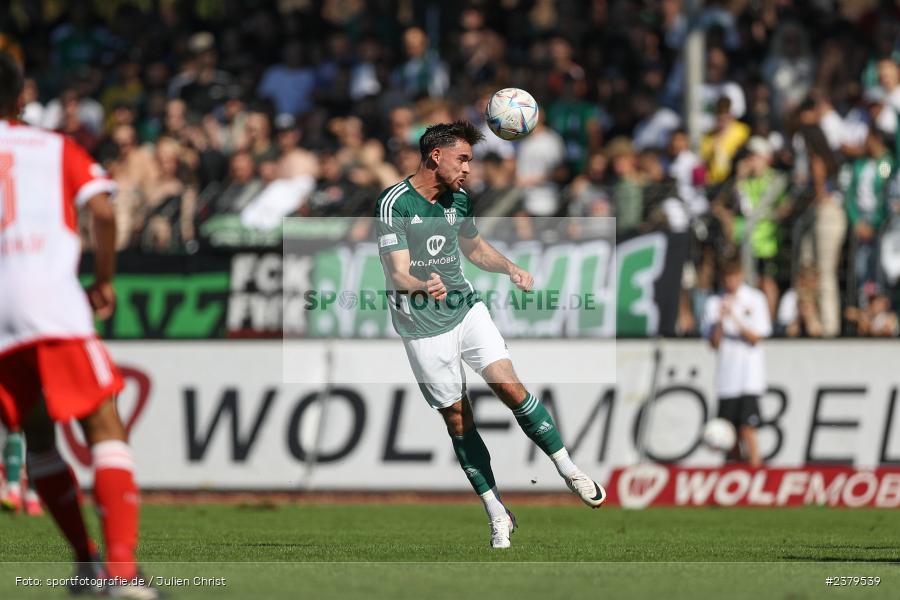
[[444, 260], [416, 220], [434, 244], [387, 240], [450, 215]]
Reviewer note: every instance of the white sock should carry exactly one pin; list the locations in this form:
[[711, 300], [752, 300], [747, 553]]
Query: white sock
[[564, 463], [492, 504]]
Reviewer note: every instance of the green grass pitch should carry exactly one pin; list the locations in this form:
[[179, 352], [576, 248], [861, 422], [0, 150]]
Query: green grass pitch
[[438, 551]]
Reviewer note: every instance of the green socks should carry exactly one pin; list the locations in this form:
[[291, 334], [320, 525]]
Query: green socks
[[538, 425], [12, 457], [475, 460]]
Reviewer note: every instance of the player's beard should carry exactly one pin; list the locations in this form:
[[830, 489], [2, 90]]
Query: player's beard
[[451, 184]]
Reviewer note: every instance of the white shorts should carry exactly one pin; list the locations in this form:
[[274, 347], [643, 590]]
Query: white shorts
[[437, 361]]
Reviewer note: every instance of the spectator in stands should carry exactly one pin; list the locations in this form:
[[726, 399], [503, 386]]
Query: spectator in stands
[[718, 86], [72, 125], [577, 120], [877, 319], [824, 253], [170, 200], [541, 156], [720, 145], [205, 87], [423, 73], [798, 311], [242, 186], [32, 109], [628, 197], [761, 204], [291, 84], [789, 69], [134, 169], [258, 136], [689, 173], [865, 199]]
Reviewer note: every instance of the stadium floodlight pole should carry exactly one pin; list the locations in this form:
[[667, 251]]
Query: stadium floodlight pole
[[322, 402], [649, 401], [693, 59]]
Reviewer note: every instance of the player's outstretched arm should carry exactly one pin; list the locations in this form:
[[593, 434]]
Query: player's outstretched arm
[[486, 257], [396, 265], [103, 217]]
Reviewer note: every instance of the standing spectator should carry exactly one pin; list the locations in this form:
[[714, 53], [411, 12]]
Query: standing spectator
[[577, 120], [865, 198], [73, 126], [541, 154], [258, 137], [789, 69], [889, 80], [291, 84], [208, 87], [718, 86], [798, 310], [720, 145], [423, 73], [32, 109], [761, 205], [135, 172], [689, 173], [829, 231], [735, 322], [628, 197]]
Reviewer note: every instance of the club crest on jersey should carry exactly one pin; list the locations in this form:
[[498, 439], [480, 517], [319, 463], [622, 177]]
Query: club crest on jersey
[[434, 244], [450, 214]]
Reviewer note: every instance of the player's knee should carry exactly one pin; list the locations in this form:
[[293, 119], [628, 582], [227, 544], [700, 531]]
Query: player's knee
[[103, 425]]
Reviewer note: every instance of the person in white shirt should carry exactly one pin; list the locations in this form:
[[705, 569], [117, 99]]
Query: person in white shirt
[[735, 322]]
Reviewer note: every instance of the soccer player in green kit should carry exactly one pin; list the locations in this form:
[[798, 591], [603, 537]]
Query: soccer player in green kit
[[423, 223]]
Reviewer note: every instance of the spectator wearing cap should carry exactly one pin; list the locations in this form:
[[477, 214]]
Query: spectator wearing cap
[[206, 87], [761, 204], [719, 147], [291, 84], [866, 183]]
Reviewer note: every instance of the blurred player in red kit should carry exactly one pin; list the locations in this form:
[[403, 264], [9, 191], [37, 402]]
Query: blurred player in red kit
[[52, 366]]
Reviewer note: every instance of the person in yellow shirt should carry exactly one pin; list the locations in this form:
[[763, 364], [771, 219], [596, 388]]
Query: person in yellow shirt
[[719, 146]]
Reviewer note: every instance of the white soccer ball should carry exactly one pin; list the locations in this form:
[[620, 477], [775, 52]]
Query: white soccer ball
[[511, 113], [720, 435]]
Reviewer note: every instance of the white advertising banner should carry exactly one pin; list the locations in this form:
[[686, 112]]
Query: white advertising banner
[[217, 415]]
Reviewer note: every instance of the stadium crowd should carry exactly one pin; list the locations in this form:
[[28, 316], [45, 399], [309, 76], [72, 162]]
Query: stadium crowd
[[243, 111]]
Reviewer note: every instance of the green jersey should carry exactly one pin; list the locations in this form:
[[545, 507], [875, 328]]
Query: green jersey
[[405, 220]]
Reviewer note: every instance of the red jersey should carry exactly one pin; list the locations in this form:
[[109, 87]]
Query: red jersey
[[44, 179]]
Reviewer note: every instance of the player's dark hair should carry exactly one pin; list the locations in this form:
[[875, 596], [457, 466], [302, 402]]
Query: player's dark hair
[[11, 83], [446, 134]]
